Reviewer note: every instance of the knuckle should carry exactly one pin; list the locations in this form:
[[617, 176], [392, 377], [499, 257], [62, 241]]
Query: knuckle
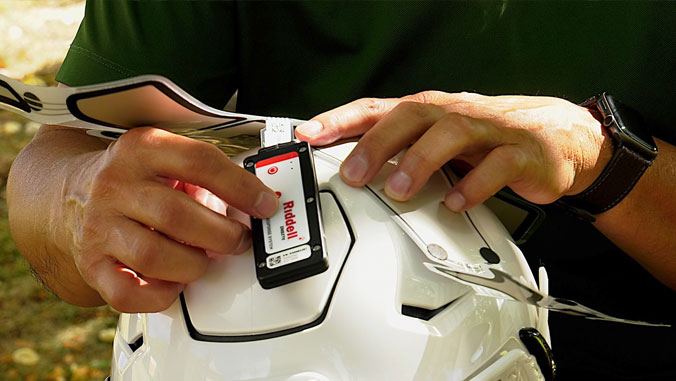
[[117, 298], [428, 96], [203, 158], [334, 120], [128, 144], [468, 96], [457, 126], [366, 108], [416, 109], [106, 183], [194, 165], [198, 267], [422, 162], [140, 136], [233, 234], [168, 214], [91, 238], [146, 194], [371, 105], [513, 158], [477, 189], [137, 145], [145, 254]]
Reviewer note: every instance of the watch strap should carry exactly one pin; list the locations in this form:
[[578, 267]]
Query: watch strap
[[613, 184]]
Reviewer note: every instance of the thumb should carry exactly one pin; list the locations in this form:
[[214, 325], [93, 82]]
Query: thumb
[[352, 119]]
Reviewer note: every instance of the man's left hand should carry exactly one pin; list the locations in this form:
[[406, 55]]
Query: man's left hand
[[541, 147]]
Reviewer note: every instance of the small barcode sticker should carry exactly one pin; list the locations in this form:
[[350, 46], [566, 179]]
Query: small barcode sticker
[[289, 256]]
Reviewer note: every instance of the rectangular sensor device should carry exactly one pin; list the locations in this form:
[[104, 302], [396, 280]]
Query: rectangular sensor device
[[288, 246]]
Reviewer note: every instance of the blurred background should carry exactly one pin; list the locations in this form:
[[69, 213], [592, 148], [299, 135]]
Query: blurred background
[[41, 338]]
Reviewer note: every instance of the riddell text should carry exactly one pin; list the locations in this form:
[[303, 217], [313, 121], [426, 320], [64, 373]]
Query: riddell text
[[289, 220]]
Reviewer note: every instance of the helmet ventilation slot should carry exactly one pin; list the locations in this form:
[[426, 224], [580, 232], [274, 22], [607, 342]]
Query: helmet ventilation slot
[[422, 313], [134, 346]]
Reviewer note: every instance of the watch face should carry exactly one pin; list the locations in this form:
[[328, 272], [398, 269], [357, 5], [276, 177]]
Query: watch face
[[629, 126]]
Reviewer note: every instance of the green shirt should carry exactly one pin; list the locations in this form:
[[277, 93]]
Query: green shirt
[[299, 59]]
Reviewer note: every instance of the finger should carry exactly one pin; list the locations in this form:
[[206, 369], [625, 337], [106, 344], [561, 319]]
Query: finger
[[447, 138], [199, 163], [501, 167], [390, 135], [206, 198], [126, 292], [352, 119], [179, 216], [154, 255], [243, 219]]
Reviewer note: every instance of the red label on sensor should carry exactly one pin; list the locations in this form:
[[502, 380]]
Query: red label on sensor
[[276, 159]]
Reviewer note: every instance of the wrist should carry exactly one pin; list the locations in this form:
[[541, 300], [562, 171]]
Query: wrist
[[599, 157], [40, 175], [633, 152]]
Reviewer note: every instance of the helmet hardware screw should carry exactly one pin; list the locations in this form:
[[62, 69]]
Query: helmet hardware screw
[[437, 251]]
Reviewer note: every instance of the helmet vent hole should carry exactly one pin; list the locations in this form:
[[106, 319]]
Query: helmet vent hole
[[422, 313], [489, 255], [136, 344]]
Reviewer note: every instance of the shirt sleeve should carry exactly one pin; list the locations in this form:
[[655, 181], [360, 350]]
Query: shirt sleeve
[[191, 43]]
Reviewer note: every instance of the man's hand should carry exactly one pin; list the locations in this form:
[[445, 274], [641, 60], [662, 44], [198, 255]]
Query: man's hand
[[131, 217], [541, 147]]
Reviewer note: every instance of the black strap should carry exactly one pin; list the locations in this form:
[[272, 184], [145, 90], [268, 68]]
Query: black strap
[[615, 182]]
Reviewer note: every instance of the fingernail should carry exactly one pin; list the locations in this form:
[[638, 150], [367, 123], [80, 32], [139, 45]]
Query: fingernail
[[311, 128], [266, 204], [455, 202], [398, 184], [244, 242], [354, 168], [216, 204]]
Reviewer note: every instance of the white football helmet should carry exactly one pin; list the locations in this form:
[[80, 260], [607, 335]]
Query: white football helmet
[[382, 310], [377, 313]]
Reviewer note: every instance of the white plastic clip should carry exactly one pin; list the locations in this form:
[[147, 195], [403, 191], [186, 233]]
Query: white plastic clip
[[276, 131]]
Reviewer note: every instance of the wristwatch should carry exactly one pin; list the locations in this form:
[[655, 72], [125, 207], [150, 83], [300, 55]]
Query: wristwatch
[[634, 151]]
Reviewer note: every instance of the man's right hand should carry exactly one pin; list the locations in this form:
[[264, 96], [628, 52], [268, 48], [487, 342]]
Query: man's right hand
[[122, 218]]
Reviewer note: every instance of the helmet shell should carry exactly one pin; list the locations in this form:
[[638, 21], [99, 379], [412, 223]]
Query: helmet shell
[[377, 313]]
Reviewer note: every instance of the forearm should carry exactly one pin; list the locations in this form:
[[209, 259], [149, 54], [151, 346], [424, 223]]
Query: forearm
[[644, 223], [41, 189]]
